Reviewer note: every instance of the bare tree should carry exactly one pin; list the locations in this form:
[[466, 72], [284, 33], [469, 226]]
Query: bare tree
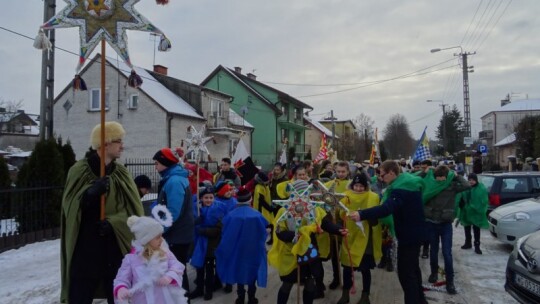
[[364, 125], [398, 140]]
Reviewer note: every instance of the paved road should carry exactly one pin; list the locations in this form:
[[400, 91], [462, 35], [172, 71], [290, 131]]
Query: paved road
[[479, 279]]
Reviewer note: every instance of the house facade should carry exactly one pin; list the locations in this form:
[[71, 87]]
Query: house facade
[[277, 118], [18, 129], [314, 135], [498, 127], [153, 115], [344, 146]]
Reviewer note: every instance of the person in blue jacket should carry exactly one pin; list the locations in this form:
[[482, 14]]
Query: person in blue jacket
[[241, 254], [175, 194], [403, 200]]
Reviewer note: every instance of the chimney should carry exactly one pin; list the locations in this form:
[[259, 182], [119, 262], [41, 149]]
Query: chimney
[[160, 69], [238, 70], [505, 102], [251, 76]]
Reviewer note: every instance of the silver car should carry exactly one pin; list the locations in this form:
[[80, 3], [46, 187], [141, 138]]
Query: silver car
[[509, 222], [523, 271]]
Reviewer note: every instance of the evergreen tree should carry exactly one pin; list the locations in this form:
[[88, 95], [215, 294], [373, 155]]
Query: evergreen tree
[[455, 130], [5, 183], [68, 156], [528, 136], [45, 169]]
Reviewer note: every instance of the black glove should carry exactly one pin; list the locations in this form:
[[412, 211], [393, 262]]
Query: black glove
[[99, 186], [104, 228]]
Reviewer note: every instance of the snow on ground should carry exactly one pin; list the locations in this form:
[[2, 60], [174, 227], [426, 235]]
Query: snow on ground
[[31, 274]]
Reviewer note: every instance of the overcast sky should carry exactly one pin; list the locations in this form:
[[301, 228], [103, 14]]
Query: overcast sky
[[329, 45]]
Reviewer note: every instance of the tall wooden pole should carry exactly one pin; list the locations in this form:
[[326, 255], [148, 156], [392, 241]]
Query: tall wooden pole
[[102, 112]]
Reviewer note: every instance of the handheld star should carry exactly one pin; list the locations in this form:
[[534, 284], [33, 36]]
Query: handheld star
[[329, 196], [298, 207], [196, 141], [102, 19]]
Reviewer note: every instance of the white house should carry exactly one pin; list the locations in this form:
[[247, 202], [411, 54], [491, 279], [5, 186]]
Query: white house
[[155, 115], [498, 127]]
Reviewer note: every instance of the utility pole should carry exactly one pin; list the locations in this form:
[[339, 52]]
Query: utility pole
[[333, 128], [47, 77], [443, 106], [466, 100]]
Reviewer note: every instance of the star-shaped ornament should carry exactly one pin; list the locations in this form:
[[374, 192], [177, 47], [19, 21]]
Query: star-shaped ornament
[[196, 141], [298, 207], [102, 19], [329, 196]]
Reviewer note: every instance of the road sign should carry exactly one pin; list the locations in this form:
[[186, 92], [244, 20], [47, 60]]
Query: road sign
[[483, 149], [467, 140]]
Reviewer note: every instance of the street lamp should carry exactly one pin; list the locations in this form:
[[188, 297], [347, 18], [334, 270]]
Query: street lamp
[[443, 106], [466, 100]]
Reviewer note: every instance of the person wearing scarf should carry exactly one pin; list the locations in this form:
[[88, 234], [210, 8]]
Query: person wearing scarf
[[473, 205], [403, 200], [364, 246], [278, 175], [227, 173], [442, 186]]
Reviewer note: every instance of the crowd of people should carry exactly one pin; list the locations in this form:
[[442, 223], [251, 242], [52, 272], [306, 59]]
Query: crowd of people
[[230, 233]]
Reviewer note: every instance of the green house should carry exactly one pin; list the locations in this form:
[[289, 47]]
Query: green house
[[276, 116]]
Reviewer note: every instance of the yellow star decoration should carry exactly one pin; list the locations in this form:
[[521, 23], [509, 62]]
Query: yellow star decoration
[[96, 6]]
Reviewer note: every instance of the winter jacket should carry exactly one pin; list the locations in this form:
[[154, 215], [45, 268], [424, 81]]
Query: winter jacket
[[441, 208], [473, 205], [174, 192], [207, 233], [140, 277]]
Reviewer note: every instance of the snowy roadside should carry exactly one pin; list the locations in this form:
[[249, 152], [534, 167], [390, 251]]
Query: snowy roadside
[[31, 274]]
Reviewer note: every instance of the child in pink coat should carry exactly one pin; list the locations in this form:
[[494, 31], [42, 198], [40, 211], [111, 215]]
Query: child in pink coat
[[150, 273]]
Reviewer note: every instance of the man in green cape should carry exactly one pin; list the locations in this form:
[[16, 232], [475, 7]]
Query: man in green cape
[[473, 205], [403, 200], [92, 249]]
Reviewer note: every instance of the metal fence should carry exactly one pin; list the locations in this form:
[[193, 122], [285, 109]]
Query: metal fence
[[29, 215]]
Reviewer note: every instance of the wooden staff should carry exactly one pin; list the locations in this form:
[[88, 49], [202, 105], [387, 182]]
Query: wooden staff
[[336, 252], [297, 283], [198, 207], [102, 112]]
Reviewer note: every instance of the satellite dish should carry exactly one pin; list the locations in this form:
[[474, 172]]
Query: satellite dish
[[244, 110]]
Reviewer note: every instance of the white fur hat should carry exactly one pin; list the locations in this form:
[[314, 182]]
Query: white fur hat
[[144, 228], [113, 131]]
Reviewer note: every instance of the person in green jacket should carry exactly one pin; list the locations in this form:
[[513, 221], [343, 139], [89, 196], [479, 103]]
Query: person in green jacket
[[92, 249], [473, 205]]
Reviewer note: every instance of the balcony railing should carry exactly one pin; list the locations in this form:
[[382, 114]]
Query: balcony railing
[[215, 120], [486, 134]]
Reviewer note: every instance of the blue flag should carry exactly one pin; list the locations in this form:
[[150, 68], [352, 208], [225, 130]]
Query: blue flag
[[422, 149]]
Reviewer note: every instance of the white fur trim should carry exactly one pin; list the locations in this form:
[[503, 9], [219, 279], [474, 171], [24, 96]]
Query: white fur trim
[[165, 221]]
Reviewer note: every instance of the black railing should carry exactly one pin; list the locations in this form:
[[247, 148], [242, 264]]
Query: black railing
[[29, 215]]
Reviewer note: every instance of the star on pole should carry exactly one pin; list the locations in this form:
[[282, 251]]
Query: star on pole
[[298, 207], [196, 142], [329, 196], [102, 19]]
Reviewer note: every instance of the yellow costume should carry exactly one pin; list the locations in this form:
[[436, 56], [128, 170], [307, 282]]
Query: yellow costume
[[281, 189], [356, 239], [323, 239], [262, 191], [282, 256]]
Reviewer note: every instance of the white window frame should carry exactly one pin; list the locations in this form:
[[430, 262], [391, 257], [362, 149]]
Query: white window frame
[[233, 143], [91, 100], [216, 106], [133, 101]]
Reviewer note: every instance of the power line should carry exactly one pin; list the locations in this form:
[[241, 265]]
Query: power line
[[495, 24], [478, 22], [470, 23], [486, 25], [379, 82]]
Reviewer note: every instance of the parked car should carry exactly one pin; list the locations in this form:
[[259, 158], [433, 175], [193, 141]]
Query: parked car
[[507, 187], [522, 270], [514, 220]]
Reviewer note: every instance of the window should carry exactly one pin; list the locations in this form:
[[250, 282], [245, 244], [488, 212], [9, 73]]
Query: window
[[95, 100], [297, 137], [232, 146], [216, 108], [515, 184], [133, 101], [284, 134], [297, 114], [285, 110]]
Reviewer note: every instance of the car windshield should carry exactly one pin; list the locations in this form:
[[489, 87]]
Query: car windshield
[[487, 181]]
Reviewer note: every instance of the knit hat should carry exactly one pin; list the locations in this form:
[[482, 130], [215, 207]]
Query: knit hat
[[360, 178], [243, 196], [472, 176], [144, 228], [143, 181], [166, 157], [205, 190], [300, 185], [222, 187], [113, 131], [261, 178]]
